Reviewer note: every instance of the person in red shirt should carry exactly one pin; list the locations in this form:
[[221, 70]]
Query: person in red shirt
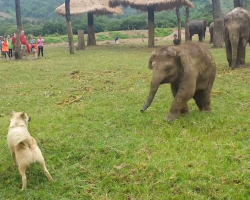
[[14, 41], [24, 44]]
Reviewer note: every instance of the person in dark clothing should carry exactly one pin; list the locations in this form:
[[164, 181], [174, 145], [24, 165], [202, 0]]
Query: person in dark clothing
[[116, 39], [176, 40]]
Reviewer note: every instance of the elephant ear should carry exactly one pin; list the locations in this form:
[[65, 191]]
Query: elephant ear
[[153, 55], [185, 61]]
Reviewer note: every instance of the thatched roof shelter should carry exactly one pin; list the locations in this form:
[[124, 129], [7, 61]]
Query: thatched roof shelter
[[92, 7], [151, 6], [158, 5], [97, 7]]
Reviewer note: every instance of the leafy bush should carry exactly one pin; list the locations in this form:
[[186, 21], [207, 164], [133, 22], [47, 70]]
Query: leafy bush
[[162, 32], [49, 40], [118, 34], [101, 37]]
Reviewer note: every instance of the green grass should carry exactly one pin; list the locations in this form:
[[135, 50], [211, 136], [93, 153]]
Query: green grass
[[54, 39], [102, 147]]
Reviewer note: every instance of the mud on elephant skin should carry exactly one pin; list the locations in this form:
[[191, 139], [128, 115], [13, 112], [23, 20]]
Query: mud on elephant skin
[[237, 35], [198, 27], [190, 69]]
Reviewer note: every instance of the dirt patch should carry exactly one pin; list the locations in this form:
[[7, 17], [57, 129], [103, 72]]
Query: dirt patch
[[132, 40], [5, 15]]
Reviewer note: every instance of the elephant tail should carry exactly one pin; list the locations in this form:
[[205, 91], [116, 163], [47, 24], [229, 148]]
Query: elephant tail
[[234, 36]]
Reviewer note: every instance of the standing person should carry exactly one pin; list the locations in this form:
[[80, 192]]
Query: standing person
[[1, 46], [10, 46], [25, 49], [5, 48], [40, 42], [116, 39], [33, 46], [176, 40], [14, 41]]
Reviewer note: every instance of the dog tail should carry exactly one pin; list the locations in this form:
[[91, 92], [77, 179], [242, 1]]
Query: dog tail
[[20, 137]]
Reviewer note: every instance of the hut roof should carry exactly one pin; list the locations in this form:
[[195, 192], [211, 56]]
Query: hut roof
[[98, 7], [158, 5]]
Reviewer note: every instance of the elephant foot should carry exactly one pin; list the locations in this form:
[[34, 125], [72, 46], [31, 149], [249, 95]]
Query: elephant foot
[[185, 110], [171, 117], [206, 109]]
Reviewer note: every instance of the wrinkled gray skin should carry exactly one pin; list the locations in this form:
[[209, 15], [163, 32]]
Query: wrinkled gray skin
[[211, 31], [237, 35], [190, 69], [198, 27]]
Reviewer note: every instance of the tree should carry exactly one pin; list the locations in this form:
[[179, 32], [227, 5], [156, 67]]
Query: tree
[[69, 27], [17, 53], [218, 24], [238, 3]]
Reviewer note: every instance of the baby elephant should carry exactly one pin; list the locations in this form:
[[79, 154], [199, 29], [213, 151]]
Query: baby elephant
[[190, 69]]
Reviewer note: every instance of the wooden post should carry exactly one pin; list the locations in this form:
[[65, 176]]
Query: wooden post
[[81, 44], [69, 27], [179, 22], [238, 3], [17, 52], [151, 27], [187, 24], [91, 31]]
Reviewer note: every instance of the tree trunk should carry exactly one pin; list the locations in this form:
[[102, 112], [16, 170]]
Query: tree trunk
[[187, 25], [218, 25], [17, 52], [179, 22], [151, 27], [81, 44], [91, 31], [238, 3], [69, 27]]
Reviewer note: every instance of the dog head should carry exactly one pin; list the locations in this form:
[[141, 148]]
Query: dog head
[[19, 119]]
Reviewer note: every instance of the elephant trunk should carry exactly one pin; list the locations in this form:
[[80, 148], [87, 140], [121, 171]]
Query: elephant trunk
[[153, 89], [234, 40]]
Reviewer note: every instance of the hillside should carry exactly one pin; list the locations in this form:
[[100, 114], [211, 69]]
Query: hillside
[[36, 9], [45, 9]]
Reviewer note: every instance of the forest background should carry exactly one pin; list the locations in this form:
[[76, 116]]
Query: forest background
[[38, 17]]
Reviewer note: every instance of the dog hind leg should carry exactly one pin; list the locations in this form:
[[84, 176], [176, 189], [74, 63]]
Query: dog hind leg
[[14, 157], [22, 169]]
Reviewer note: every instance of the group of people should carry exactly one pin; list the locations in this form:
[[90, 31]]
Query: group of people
[[8, 44]]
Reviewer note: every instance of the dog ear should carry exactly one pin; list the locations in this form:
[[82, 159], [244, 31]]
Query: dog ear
[[23, 115], [12, 112]]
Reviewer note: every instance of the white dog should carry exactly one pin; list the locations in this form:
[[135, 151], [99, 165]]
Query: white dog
[[23, 147]]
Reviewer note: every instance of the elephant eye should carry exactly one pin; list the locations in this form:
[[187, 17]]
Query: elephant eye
[[168, 68]]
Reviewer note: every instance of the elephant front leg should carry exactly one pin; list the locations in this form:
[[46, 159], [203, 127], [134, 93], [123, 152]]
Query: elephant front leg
[[174, 89], [241, 55], [228, 52], [203, 100], [179, 105]]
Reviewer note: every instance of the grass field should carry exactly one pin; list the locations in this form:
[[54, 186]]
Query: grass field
[[85, 111]]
